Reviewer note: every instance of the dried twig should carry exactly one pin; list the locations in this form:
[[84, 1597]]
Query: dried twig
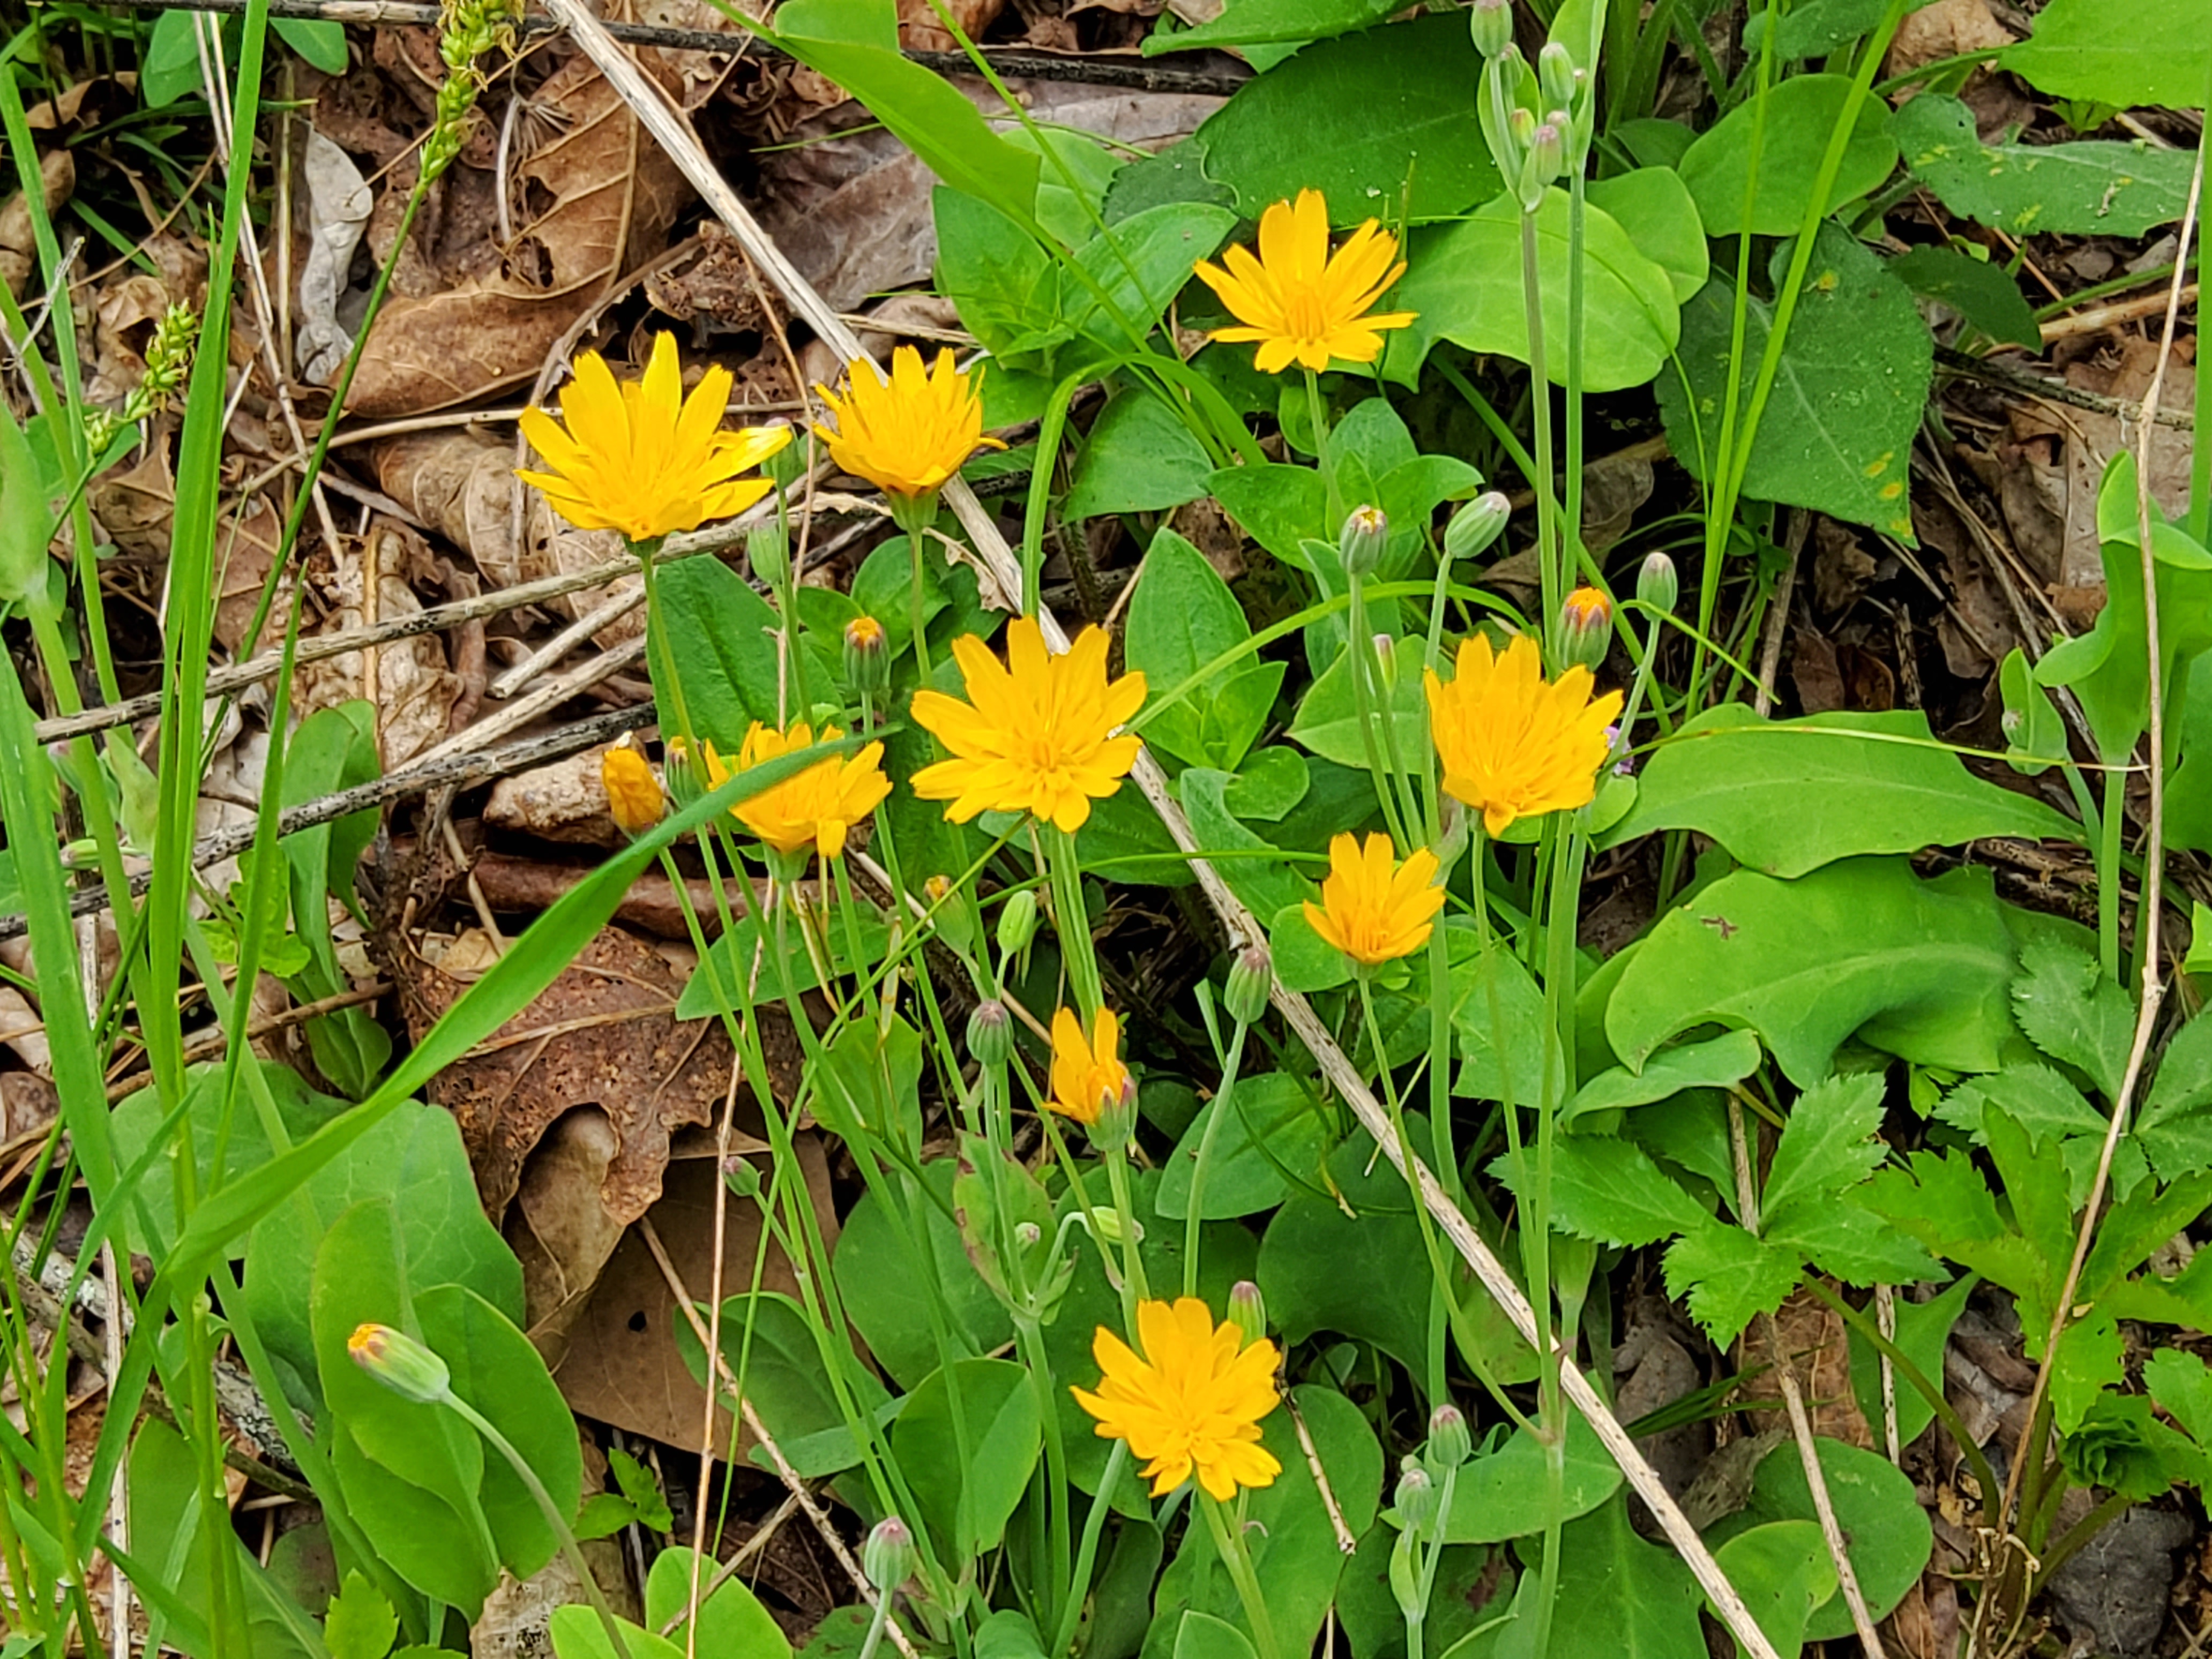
[[1963, 367]]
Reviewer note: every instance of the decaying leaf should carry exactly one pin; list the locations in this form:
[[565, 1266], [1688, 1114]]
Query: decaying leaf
[[414, 690]]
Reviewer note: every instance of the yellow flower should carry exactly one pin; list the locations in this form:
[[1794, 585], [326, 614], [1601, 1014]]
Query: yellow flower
[[1371, 911], [1035, 735], [819, 806], [908, 434], [639, 456], [1087, 1073], [1193, 1401], [1300, 302], [634, 797], [1513, 746]]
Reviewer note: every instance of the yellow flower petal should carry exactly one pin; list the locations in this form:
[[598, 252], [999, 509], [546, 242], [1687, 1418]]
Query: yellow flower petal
[[1299, 303], [815, 811], [1191, 1403], [908, 433], [1512, 745], [1371, 908]]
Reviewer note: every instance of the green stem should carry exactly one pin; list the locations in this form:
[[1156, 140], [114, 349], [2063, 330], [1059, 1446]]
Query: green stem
[[1318, 412], [1133, 1287], [920, 621], [1361, 662], [1223, 1102], [1539, 395], [1086, 1553], [1228, 1541], [1030, 1337], [554, 1518], [2108, 875]]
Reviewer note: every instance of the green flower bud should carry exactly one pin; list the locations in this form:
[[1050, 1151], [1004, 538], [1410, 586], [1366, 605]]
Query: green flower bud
[[401, 1364], [1491, 23], [1360, 543], [1116, 1123], [1475, 524], [1250, 977], [1547, 160], [1248, 1310], [1585, 628], [1657, 584], [1555, 73], [867, 657], [787, 466], [1416, 1498], [888, 1557], [739, 1175], [1386, 661], [991, 1034], [1018, 919], [1449, 1443]]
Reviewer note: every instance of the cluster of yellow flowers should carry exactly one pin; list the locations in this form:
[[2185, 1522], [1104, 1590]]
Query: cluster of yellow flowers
[[1040, 734]]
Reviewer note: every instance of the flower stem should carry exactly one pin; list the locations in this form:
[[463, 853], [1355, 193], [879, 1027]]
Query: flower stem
[[1223, 1102], [1133, 1287], [920, 618], [1540, 397], [1086, 1553], [1228, 1541]]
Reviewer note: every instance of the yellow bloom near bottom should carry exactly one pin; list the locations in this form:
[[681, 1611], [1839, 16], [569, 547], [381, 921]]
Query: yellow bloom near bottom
[[1192, 1402]]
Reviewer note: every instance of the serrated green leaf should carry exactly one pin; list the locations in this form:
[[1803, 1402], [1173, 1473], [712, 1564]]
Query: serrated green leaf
[[2070, 1010], [1605, 1189], [1852, 1244], [361, 1624], [1730, 1278], [1826, 1147], [639, 1486]]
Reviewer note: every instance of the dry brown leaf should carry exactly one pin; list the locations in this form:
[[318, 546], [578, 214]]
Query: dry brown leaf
[[594, 197], [921, 31], [18, 247], [416, 691], [1945, 29]]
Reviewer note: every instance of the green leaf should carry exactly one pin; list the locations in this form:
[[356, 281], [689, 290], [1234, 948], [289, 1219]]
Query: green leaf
[[876, 1264], [1846, 1242], [1329, 719], [1464, 284], [1714, 1063], [1605, 1189], [1847, 397], [1502, 1494], [323, 43], [2173, 1125], [578, 1634], [2071, 1011], [732, 1620], [1201, 1635], [2158, 58], [1140, 458], [641, 1489], [1789, 796], [1730, 1278], [1983, 292], [361, 1624], [27, 522], [1139, 265], [1924, 1330], [1653, 206], [1273, 1124], [170, 67], [725, 657], [2182, 1385], [1886, 1533], [1619, 1597], [1252, 865], [1920, 969], [855, 43], [1272, 22], [2092, 189], [2122, 1448], [1783, 1569], [1800, 114], [768, 1339], [1182, 619], [1360, 119], [1829, 1143], [1004, 284]]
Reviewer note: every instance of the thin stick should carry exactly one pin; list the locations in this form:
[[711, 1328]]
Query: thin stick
[[1003, 569], [513, 679]]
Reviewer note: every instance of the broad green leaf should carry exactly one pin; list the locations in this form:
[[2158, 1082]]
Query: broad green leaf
[[323, 43], [732, 1620], [1288, 1529], [1464, 283], [577, 1633], [2070, 1010], [1272, 22], [1817, 27], [1848, 394], [733, 954], [1201, 1635], [1982, 292], [1605, 1189], [1139, 458], [1714, 1063], [1139, 265], [724, 656], [768, 1340], [1800, 114], [1497, 1014], [2102, 188], [1182, 619], [170, 67], [1924, 1330], [1846, 1242], [1619, 1597], [1502, 1494], [968, 1460], [1783, 1571], [1730, 1278], [1005, 284], [1252, 866], [1787, 796], [1328, 720], [1886, 1531], [2182, 1385], [1653, 206], [1272, 1123], [1280, 505], [2160, 56], [1361, 119], [360, 1624], [1922, 970], [878, 1257]]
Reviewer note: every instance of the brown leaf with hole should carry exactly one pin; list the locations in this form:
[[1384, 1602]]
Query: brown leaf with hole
[[593, 199], [603, 1034]]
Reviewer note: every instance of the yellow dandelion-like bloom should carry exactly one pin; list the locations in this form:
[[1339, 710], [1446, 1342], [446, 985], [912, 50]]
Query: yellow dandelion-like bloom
[[1302, 304], [908, 433], [819, 807], [1193, 1401], [1035, 734], [1512, 745], [641, 458], [1373, 908], [634, 797], [1087, 1073]]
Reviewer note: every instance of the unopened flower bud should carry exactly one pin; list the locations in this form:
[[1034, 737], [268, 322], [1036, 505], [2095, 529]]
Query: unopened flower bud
[[1475, 524], [1658, 584], [867, 657], [739, 1175], [787, 466], [1105, 1222], [1521, 121], [1360, 543], [1026, 1234], [1547, 160], [1386, 661], [1555, 73], [1585, 628], [766, 552], [1116, 1123], [937, 889], [991, 1034], [634, 797], [1248, 1310], [1454, 839], [888, 1557], [1491, 23], [1018, 919], [1416, 1497], [401, 1364], [1250, 977], [684, 777], [1449, 1443]]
